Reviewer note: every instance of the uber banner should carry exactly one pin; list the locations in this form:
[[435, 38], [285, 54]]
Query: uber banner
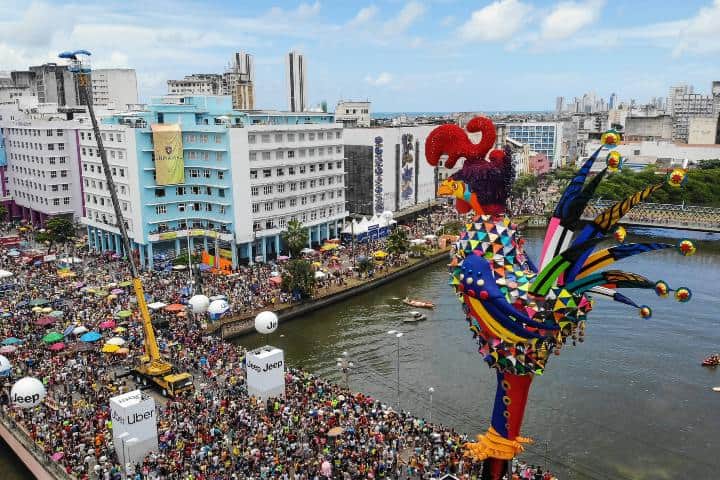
[[265, 372], [134, 426]]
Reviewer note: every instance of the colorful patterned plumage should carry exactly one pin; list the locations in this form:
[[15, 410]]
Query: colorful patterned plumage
[[520, 316]]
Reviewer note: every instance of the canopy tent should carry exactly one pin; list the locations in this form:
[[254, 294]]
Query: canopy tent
[[79, 330], [90, 337], [377, 226]]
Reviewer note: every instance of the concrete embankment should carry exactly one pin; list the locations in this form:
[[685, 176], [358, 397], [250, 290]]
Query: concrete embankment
[[35, 460], [245, 325]]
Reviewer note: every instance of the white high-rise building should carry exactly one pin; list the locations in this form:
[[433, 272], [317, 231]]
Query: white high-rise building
[[114, 87], [295, 69]]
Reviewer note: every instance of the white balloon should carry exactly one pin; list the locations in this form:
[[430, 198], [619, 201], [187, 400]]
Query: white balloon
[[266, 322], [199, 303], [27, 392], [218, 308], [4, 365]]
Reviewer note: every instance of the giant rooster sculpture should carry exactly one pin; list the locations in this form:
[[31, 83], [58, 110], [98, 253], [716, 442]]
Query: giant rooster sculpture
[[520, 314]]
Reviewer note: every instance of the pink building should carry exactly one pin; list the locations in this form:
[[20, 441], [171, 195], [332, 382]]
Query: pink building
[[538, 164]]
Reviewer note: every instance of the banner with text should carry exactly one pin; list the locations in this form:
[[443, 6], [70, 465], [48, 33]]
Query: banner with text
[[265, 372], [168, 148]]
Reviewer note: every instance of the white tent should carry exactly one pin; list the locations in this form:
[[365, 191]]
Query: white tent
[[361, 227]]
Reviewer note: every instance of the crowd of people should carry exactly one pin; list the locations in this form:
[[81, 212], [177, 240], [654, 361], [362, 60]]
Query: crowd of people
[[688, 217], [319, 430]]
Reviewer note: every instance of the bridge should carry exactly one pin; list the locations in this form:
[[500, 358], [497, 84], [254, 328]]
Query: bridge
[[663, 215]]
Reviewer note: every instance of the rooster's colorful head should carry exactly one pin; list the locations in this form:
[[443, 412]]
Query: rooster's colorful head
[[458, 189]]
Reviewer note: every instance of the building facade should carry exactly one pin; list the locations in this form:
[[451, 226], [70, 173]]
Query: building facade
[[686, 107], [703, 131], [295, 72], [196, 84], [114, 87], [353, 114], [642, 128], [246, 175], [387, 171], [43, 175], [239, 81], [542, 137]]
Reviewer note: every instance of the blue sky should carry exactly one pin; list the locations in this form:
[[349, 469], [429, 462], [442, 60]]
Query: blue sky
[[429, 55]]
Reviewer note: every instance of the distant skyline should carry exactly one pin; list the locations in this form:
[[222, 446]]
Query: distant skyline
[[429, 55]]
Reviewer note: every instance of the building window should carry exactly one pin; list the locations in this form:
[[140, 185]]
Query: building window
[[278, 137], [53, 174], [291, 170], [266, 155], [181, 207], [281, 188], [321, 135], [219, 156], [56, 201], [281, 203], [207, 173], [293, 186], [208, 207], [221, 175], [267, 189], [251, 139], [280, 172], [204, 138], [195, 190], [265, 138], [180, 191], [194, 173], [268, 206], [218, 139], [290, 137], [293, 202], [255, 207], [254, 191], [159, 192], [253, 174], [66, 201], [311, 136], [160, 209], [253, 156], [312, 168], [267, 173], [301, 136], [279, 155]]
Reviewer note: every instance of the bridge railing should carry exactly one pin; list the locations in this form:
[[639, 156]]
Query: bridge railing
[[665, 207]]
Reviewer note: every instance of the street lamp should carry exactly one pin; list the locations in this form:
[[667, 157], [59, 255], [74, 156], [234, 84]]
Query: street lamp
[[431, 390], [345, 365], [397, 335]]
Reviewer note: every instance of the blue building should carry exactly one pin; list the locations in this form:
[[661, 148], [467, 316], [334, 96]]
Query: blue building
[[542, 137], [246, 174]]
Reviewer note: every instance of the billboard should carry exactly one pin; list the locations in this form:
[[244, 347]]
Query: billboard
[[168, 148], [378, 176], [406, 175], [134, 426], [265, 372]]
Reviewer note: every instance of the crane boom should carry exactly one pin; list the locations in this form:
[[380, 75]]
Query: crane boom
[[151, 346]]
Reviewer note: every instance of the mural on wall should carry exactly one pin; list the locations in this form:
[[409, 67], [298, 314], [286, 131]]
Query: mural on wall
[[407, 171], [378, 179]]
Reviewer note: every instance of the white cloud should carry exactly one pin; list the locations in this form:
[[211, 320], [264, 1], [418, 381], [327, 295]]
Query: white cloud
[[381, 80], [447, 21], [364, 15], [567, 18], [405, 18], [498, 21]]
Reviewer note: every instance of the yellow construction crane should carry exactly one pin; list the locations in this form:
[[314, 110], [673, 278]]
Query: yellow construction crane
[[151, 367]]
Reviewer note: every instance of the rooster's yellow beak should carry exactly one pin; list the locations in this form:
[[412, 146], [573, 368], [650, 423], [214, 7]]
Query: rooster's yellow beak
[[445, 189]]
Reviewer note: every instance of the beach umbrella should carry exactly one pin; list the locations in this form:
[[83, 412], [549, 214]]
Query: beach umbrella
[[110, 348], [11, 341], [37, 309], [57, 456], [112, 297], [46, 310], [335, 432], [5, 274], [282, 258], [122, 351], [56, 347], [124, 314], [57, 314], [119, 330], [5, 367], [7, 315], [53, 337], [111, 285], [116, 341], [101, 293], [13, 253], [175, 307], [156, 305], [22, 304], [79, 330], [117, 291], [126, 283], [107, 324], [6, 349], [45, 321], [68, 330], [38, 302], [90, 337]]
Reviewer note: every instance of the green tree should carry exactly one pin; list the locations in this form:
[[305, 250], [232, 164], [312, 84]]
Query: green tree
[[453, 227], [296, 237], [523, 183], [365, 265], [397, 241], [58, 230], [299, 278], [3, 213]]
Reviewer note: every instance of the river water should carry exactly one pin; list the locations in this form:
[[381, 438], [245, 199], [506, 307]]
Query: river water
[[632, 402]]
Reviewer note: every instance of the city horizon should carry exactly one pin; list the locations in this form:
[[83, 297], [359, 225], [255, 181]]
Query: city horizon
[[537, 51]]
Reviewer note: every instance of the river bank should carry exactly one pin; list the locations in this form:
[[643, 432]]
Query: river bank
[[238, 326]]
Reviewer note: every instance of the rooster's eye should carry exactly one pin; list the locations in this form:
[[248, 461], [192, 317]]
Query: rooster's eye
[[454, 185]]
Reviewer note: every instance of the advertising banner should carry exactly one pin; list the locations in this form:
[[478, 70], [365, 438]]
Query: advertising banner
[[168, 235], [265, 372], [168, 148], [406, 175], [134, 426]]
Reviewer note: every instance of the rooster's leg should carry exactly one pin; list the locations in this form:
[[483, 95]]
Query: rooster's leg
[[502, 441]]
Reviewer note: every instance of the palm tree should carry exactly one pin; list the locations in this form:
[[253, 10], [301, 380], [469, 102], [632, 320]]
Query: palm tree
[[397, 241], [296, 237]]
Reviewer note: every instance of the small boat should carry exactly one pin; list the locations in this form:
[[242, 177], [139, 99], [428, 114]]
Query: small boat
[[418, 303], [716, 389], [711, 360], [415, 315]]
